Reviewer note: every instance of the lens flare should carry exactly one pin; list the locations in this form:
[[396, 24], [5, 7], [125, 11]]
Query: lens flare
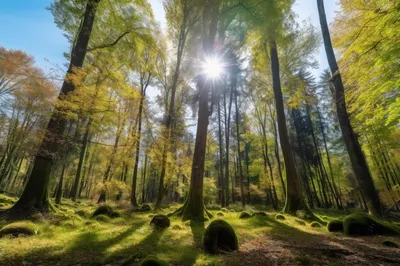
[[213, 67]]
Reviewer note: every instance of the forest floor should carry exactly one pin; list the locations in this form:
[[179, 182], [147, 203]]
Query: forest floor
[[73, 238]]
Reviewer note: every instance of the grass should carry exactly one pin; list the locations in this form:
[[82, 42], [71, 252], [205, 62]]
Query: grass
[[73, 237]]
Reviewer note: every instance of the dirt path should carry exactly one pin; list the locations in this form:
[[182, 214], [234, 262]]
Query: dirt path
[[334, 249]]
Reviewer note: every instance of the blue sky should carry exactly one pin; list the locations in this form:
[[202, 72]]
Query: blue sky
[[27, 25]]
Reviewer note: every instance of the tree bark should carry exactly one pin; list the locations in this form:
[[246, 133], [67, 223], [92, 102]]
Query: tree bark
[[294, 198], [356, 155], [36, 195]]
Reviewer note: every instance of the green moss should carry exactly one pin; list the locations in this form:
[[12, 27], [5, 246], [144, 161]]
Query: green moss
[[115, 214], [364, 224], [37, 217], [315, 225], [220, 214], [224, 210], [300, 222], [335, 226], [152, 261], [7, 200], [160, 221], [244, 215], [119, 221], [280, 217], [103, 210], [177, 227], [259, 214], [390, 243], [102, 218], [145, 208], [232, 210], [220, 235], [19, 229], [2, 205]]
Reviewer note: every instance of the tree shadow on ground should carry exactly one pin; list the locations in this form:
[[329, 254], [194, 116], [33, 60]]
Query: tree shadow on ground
[[86, 249], [283, 244], [197, 229]]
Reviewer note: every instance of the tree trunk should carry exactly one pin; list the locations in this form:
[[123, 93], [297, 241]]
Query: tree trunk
[[36, 195], [294, 198], [356, 155], [221, 160], [139, 135]]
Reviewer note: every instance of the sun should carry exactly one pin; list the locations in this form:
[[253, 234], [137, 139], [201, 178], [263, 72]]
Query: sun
[[213, 67]]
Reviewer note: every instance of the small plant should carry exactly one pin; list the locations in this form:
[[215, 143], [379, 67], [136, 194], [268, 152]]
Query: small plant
[[220, 235]]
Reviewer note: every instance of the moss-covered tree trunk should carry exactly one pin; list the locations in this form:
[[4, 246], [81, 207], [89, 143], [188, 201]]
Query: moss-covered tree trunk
[[356, 155], [36, 195], [294, 197], [193, 208]]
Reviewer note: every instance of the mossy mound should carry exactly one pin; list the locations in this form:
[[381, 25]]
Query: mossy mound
[[220, 214], [232, 210], [224, 210], [259, 214], [324, 218], [244, 215], [102, 218], [119, 221], [390, 243], [160, 221], [115, 215], [335, 226], [152, 261], [103, 210], [145, 208], [37, 217], [280, 217], [315, 225], [187, 223], [7, 200], [3, 205], [300, 222], [19, 229], [363, 224], [220, 235]]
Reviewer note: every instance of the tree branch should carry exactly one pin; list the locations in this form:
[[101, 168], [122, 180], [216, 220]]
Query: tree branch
[[109, 44]]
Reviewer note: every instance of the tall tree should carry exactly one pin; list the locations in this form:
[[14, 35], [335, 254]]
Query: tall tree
[[35, 195], [356, 155]]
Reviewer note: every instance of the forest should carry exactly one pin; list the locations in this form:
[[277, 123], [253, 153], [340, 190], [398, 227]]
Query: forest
[[211, 140]]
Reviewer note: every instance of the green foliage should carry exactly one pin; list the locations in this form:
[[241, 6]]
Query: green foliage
[[219, 235], [19, 229], [364, 224]]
